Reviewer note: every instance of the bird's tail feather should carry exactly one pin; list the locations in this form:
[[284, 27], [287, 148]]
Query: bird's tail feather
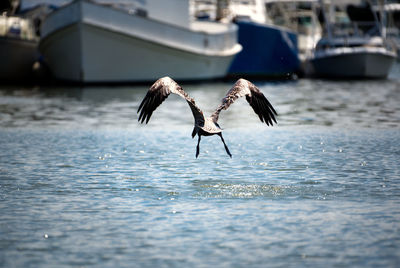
[[194, 132]]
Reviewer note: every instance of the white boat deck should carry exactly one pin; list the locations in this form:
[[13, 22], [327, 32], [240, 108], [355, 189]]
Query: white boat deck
[[209, 27]]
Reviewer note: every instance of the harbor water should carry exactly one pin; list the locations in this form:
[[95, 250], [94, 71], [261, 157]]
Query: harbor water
[[83, 184]]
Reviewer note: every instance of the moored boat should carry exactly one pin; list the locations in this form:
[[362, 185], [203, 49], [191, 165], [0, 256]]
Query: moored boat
[[350, 49], [352, 58], [268, 50], [18, 48], [89, 42], [301, 17]]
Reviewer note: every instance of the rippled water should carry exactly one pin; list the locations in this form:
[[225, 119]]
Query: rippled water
[[83, 184]]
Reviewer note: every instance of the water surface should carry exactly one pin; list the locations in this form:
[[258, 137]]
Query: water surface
[[83, 184]]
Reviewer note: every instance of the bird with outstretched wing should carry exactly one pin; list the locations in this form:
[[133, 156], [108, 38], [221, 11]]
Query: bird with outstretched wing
[[207, 126]]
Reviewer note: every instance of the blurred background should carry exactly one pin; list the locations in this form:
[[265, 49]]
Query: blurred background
[[131, 41]]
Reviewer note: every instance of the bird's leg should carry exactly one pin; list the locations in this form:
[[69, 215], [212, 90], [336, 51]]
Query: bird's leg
[[198, 146], [226, 147]]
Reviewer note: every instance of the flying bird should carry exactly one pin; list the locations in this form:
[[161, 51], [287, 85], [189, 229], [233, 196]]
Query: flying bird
[[207, 126]]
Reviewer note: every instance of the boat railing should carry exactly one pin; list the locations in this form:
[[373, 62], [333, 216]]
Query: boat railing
[[355, 28]]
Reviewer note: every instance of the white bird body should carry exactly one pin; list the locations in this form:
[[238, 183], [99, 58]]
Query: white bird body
[[207, 126]]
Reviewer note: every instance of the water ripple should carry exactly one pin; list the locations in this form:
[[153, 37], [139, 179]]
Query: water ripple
[[82, 183]]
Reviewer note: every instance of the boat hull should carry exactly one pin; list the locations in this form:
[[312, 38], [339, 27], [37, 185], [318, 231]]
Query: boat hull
[[357, 64], [268, 51], [17, 57], [86, 49], [86, 53]]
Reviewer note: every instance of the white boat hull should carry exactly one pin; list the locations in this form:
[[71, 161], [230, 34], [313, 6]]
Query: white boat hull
[[86, 50], [89, 54]]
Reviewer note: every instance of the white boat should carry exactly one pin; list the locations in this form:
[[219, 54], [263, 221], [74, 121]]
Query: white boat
[[347, 51], [89, 42], [18, 48]]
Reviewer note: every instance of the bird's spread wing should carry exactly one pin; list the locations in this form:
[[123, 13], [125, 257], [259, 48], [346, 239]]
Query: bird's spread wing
[[261, 106], [158, 92]]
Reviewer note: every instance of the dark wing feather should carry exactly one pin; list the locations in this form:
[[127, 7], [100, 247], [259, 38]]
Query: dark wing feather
[[261, 106], [158, 92]]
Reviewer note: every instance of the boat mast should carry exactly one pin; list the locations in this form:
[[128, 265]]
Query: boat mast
[[222, 9], [382, 14], [381, 22], [314, 25], [327, 19]]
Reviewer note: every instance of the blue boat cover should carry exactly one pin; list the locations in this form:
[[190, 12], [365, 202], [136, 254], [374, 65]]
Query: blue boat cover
[[268, 50]]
